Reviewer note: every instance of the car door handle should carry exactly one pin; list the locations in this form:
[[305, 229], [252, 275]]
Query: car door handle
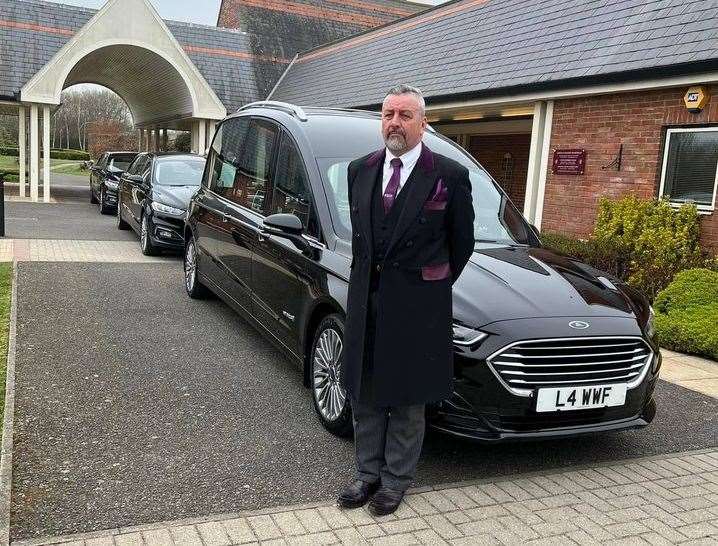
[[225, 217]]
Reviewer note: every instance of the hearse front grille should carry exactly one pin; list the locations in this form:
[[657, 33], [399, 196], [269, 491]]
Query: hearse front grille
[[528, 365]]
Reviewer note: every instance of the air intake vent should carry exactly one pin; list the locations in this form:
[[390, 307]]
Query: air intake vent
[[528, 365]]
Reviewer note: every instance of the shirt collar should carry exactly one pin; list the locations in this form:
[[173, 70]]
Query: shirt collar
[[408, 159]]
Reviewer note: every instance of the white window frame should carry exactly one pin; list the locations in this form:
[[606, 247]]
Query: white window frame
[[703, 209]]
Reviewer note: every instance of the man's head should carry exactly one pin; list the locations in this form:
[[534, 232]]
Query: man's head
[[403, 118]]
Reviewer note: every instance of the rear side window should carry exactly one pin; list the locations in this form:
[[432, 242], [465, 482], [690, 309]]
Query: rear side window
[[224, 155], [291, 191]]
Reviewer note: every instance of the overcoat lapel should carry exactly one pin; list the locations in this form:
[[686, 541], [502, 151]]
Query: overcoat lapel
[[419, 186]]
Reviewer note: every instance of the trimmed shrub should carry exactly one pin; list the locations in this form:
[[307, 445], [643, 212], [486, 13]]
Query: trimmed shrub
[[687, 313], [643, 242], [54, 154]]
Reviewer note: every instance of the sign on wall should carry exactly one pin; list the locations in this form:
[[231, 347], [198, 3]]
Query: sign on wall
[[696, 98], [569, 161]]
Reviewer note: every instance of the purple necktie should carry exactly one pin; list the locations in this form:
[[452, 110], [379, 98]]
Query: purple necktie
[[392, 188]]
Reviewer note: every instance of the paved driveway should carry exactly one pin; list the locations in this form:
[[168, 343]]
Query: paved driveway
[[136, 404]]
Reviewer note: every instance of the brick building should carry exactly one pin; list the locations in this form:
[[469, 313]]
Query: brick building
[[521, 83]]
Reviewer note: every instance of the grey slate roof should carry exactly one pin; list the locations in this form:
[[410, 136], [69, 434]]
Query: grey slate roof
[[24, 51], [474, 47]]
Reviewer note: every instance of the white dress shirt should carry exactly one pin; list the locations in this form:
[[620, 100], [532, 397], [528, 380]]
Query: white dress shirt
[[408, 162]]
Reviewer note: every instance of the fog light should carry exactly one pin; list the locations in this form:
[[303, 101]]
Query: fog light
[[165, 234]]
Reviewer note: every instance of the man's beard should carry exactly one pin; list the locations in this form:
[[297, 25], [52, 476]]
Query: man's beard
[[395, 142]]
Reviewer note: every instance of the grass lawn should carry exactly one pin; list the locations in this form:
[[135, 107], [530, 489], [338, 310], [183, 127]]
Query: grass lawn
[[64, 166], [5, 293]]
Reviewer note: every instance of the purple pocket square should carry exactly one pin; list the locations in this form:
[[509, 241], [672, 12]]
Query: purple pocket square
[[435, 205], [436, 272], [441, 192]]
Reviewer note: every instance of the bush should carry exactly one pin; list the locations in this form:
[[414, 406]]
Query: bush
[[687, 313], [643, 242], [54, 153]]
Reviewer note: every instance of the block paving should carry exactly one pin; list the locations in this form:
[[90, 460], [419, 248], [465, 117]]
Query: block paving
[[666, 499]]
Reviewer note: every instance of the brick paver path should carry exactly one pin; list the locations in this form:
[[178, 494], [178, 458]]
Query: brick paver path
[[665, 499], [57, 250]]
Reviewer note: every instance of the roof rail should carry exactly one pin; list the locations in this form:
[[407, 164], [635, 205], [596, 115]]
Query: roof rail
[[291, 108]]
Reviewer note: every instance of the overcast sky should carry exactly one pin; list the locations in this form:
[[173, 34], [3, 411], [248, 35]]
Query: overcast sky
[[193, 11]]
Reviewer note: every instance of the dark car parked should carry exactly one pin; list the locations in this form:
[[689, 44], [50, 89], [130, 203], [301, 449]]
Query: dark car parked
[[153, 196], [105, 176], [545, 346]]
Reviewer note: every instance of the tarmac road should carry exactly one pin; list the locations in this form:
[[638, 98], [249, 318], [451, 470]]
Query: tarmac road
[[136, 404]]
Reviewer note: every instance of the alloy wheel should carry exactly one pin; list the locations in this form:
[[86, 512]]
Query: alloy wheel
[[144, 235], [326, 371], [190, 266]]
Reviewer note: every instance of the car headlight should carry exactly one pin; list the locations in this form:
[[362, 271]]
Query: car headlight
[[111, 185], [159, 207], [465, 336], [650, 323]]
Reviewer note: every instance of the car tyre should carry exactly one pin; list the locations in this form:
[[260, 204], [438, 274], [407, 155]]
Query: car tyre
[[121, 224], [148, 249], [195, 289], [104, 209], [331, 402]]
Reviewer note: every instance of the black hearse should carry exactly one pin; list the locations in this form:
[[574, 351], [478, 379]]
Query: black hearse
[[545, 346]]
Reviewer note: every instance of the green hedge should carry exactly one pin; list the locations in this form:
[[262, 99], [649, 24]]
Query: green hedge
[[687, 313], [55, 153], [644, 242]]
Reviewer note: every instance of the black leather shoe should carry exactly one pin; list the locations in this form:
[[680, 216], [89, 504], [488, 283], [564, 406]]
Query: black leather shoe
[[385, 501], [356, 494]]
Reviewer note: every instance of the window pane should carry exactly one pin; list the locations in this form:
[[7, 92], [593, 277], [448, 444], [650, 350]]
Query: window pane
[[291, 193], [225, 154], [691, 167], [251, 175]]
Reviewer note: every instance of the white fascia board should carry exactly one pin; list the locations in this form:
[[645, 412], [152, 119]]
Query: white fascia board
[[602, 89]]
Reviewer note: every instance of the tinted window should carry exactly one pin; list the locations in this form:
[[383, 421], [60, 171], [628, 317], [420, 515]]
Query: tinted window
[[496, 218], [291, 190], [132, 169], [102, 160], [178, 171], [225, 153], [252, 180]]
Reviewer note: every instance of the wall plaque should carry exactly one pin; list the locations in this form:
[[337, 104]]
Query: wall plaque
[[569, 161]]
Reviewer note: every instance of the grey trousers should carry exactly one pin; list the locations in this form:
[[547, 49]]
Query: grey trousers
[[387, 440], [387, 443]]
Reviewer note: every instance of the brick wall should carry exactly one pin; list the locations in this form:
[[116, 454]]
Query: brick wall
[[491, 152], [599, 125]]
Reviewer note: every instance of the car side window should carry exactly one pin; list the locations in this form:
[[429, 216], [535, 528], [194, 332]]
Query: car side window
[[102, 161], [291, 191], [252, 180], [224, 155], [133, 166]]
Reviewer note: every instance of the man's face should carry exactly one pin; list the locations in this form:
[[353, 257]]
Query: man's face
[[402, 123]]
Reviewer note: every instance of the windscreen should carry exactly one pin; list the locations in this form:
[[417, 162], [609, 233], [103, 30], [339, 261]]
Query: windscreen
[[496, 219], [179, 171]]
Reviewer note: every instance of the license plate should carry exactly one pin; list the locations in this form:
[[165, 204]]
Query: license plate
[[576, 398]]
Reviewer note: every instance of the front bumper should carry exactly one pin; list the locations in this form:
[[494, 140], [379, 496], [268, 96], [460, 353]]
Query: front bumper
[[167, 232], [483, 409]]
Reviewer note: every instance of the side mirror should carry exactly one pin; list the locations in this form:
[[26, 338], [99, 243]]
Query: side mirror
[[287, 226], [286, 223], [536, 230]]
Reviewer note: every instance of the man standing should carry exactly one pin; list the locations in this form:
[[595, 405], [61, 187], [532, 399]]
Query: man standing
[[412, 223]]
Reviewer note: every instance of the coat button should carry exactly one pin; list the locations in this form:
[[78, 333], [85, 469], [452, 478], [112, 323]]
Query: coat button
[[357, 236], [378, 268], [409, 244], [395, 264], [422, 220], [355, 209]]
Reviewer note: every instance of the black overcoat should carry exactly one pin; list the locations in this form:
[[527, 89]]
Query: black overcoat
[[431, 244]]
